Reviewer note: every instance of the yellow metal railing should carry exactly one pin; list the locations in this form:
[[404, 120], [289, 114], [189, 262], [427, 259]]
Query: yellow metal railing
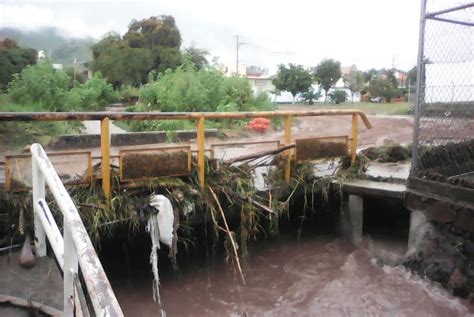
[[105, 118]]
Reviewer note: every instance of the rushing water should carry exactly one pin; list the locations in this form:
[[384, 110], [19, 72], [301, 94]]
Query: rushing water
[[318, 277]]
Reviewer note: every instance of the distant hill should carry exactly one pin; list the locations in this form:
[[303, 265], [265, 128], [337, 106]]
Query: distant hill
[[61, 49]]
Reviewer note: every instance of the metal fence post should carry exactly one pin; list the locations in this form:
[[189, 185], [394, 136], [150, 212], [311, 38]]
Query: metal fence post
[[355, 130], [70, 269], [105, 162], [289, 152], [39, 192], [201, 143], [419, 83]]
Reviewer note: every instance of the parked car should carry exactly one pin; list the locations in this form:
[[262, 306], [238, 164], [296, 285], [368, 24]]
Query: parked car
[[378, 100]]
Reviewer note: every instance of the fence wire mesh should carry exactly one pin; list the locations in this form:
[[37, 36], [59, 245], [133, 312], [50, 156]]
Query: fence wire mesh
[[445, 87]]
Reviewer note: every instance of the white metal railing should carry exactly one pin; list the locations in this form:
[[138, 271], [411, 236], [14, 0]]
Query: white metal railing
[[75, 250]]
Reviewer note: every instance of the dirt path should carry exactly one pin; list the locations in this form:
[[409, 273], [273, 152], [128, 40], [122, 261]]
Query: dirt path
[[396, 128], [93, 127]]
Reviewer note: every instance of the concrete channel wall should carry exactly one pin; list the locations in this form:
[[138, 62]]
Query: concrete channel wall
[[81, 141]]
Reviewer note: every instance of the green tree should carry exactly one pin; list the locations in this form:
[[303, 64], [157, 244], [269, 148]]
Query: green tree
[[411, 76], [120, 63], [150, 45], [40, 84], [368, 75], [383, 87], [328, 73], [293, 78], [355, 81], [94, 95], [197, 56], [189, 89], [12, 60], [391, 76]]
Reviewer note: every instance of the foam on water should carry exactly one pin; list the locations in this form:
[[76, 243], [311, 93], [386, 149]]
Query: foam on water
[[321, 277]]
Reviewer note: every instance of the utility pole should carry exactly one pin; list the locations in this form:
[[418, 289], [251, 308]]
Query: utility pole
[[74, 67], [237, 46]]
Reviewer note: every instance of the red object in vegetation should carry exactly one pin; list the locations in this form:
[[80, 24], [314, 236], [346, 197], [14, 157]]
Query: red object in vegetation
[[259, 124]]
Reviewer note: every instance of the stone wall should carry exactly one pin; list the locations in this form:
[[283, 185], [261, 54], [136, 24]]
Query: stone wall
[[441, 243]]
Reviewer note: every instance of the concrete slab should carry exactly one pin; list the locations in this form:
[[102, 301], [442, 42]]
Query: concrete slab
[[374, 189], [42, 283]]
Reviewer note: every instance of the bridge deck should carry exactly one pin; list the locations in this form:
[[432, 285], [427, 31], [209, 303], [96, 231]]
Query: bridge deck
[[42, 283]]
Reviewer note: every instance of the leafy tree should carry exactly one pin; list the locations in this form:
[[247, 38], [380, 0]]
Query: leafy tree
[[121, 64], [328, 73], [149, 45], [12, 60], [128, 94], [95, 94], [293, 78], [411, 76], [383, 87], [40, 84], [368, 75], [197, 56], [355, 82], [190, 89], [391, 76]]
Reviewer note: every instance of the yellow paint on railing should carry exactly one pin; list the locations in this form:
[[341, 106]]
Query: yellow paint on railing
[[287, 142], [201, 143], [105, 162], [200, 116], [355, 128]]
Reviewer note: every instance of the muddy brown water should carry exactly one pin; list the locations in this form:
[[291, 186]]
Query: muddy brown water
[[322, 276]]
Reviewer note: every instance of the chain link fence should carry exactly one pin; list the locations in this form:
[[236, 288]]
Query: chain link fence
[[444, 111]]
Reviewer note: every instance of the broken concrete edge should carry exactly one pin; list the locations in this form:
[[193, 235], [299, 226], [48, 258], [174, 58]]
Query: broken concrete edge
[[80, 141]]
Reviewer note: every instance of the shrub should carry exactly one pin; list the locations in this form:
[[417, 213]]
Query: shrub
[[189, 89], [95, 94], [128, 93], [40, 84], [340, 96]]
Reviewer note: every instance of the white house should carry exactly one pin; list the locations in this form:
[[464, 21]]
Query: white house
[[261, 84]]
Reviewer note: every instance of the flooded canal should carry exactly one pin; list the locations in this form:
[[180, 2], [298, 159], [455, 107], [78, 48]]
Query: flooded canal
[[320, 276]]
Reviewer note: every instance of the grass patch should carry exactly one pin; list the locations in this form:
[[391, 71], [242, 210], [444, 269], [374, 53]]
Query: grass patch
[[15, 135]]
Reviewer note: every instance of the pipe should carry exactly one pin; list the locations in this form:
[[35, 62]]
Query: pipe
[[84, 116]]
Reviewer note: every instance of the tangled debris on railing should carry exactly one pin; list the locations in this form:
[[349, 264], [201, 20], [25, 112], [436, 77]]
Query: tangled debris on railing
[[231, 205]]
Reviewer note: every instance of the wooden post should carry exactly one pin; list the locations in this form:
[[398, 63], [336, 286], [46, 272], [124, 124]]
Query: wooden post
[[105, 163], [201, 143], [355, 127], [289, 152]]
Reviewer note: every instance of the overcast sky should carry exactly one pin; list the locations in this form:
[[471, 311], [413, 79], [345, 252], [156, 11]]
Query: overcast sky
[[368, 33]]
